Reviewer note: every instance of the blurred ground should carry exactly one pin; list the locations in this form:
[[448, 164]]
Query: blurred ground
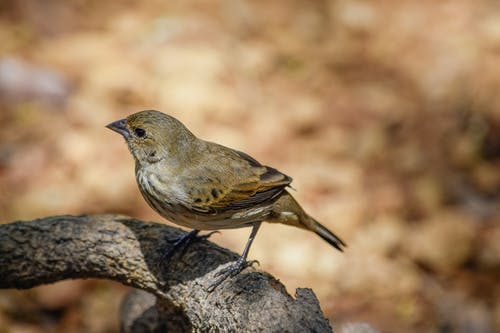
[[385, 113]]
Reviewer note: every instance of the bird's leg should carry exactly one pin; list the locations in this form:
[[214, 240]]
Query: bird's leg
[[240, 264], [183, 241]]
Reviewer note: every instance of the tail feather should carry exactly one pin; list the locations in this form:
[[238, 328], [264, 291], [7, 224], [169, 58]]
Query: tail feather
[[288, 211], [328, 236]]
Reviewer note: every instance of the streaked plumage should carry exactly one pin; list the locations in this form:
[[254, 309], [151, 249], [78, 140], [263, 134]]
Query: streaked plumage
[[206, 186]]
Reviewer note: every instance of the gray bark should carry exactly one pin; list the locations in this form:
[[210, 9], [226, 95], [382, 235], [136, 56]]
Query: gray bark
[[172, 295]]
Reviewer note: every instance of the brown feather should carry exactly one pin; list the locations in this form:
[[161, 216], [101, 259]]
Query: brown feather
[[204, 185], [252, 185]]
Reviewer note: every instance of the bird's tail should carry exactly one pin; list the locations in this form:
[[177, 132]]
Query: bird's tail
[[288, 211], [324, 233]]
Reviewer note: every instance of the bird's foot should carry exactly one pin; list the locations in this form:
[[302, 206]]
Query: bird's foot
[[181, 243], [230, 271]]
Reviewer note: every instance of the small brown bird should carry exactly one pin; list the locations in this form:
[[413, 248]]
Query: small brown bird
[[205, 186]]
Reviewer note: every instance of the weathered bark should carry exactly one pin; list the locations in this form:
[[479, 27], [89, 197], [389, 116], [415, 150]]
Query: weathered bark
[[129, 251]]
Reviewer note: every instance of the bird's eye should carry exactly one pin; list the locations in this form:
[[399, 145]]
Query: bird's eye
[[139, 132]]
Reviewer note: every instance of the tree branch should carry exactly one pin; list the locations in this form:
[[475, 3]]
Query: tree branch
[[129, 251]]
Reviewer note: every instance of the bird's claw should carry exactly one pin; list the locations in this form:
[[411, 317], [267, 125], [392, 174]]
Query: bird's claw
[[230, 271], [181, 243], [250, 263], [205, 237]]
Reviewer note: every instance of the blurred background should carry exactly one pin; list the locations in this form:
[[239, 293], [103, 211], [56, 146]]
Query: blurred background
[[385, 113]]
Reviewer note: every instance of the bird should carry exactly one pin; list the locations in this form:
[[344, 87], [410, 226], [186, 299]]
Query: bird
[[203, 185]]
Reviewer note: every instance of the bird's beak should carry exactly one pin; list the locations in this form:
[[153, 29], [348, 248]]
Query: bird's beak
[[119, 127]]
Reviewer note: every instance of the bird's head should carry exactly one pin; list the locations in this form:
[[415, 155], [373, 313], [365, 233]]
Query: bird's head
[[153, 136]]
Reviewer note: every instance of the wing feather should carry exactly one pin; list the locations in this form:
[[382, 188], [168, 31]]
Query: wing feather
[[251, 184]]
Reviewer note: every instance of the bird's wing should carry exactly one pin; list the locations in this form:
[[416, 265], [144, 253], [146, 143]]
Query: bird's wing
[[247, 184]]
